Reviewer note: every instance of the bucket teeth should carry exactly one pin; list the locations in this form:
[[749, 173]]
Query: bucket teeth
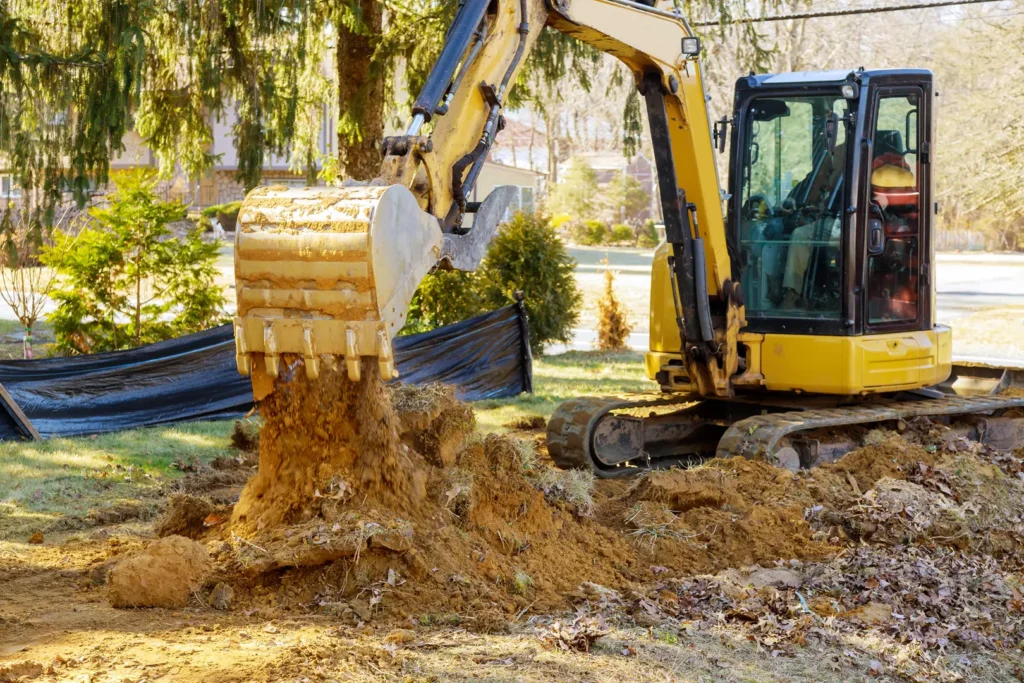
[[270, 357], [310, 358], [385, 360], [241, 353], [351, 356]]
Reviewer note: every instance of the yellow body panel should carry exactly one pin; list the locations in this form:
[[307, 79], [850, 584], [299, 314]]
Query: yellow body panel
[[843, 365]]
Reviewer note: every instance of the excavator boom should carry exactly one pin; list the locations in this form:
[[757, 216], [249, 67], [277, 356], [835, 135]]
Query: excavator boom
[[327, 274]]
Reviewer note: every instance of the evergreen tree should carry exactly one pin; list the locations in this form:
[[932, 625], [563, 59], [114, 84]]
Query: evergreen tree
[[73, 76]]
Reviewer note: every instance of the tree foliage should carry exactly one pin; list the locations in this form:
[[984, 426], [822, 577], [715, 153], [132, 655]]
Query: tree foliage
[[625, 199], [444, 297], [577, 193], [528, 256], [70, 75], [73, 78], [126, 281]]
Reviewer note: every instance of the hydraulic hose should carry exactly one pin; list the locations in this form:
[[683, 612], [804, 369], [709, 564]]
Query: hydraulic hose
[[476, 158]]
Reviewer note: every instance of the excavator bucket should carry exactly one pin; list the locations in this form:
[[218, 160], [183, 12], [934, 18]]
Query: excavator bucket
[[326, 274]]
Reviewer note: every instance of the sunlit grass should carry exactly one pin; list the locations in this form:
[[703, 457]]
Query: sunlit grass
[[566, 376], [41, 482]]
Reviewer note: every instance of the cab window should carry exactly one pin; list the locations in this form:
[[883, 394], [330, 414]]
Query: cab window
[[893, 237], [791, 206]]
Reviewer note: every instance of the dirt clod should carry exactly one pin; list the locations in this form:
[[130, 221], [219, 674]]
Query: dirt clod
[[245, 436], [165, 574], [221, 596], [184, 516]]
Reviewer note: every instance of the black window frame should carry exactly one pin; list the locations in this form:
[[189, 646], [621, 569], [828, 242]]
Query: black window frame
[[779, 324], [894, 88]]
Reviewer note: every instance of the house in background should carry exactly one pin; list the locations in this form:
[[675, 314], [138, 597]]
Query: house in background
[[607, 165], [219, 185]]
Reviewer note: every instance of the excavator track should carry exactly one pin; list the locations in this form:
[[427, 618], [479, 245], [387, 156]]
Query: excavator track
[[759, 436], [588, 434]]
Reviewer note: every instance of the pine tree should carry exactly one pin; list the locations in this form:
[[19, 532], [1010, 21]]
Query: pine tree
[[73, 76], [613, 326]]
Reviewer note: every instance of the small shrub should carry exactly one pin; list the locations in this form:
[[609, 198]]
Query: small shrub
[[594, 233], [648, 237], [621, 234], [128, 281], [528, 256], [613, 326], [444, 297]]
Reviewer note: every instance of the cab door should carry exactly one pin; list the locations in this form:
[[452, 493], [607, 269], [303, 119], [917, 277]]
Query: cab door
[[898, 219]]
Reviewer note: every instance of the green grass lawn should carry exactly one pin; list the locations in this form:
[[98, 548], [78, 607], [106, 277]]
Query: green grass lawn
[[54, 485], [565, 376]]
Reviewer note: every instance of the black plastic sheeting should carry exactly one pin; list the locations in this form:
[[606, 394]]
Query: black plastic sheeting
[[195, 378]]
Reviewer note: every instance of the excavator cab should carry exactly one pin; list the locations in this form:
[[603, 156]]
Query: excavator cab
[[830, 210], [829, 224]]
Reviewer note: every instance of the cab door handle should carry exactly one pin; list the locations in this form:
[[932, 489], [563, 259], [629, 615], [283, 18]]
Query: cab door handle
[[876, 236]]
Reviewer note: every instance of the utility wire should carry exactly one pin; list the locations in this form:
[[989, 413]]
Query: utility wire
[[843, 13]]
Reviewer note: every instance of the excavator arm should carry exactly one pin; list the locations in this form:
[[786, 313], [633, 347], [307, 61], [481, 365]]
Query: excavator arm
[[327, 274]]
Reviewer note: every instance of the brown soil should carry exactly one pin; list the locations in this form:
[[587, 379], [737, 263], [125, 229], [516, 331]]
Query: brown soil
[[190, 516], [329, 434], [165, 574], [367, 571]]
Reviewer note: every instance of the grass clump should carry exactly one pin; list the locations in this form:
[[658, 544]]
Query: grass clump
[[521, 582], [526, 454], [651, 523], [573, 487]]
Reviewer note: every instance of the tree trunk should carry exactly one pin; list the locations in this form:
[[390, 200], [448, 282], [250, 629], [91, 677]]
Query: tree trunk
[[361, 94], [550, 141]]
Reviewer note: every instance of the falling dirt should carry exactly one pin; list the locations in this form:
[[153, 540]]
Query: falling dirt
[[165, 574], [327, 434]]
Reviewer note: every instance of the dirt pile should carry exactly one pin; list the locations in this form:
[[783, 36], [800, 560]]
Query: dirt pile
[[165, 574], [378, 503], [727, 513]]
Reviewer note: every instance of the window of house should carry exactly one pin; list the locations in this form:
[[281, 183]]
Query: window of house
[[9, 188]]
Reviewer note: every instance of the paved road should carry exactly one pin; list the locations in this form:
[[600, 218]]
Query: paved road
[[964, 283]]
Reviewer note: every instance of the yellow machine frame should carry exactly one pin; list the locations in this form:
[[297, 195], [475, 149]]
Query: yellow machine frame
[[820, 364]]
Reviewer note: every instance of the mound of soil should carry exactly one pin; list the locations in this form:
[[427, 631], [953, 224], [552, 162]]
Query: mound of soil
[[165, 574], [378, 503]]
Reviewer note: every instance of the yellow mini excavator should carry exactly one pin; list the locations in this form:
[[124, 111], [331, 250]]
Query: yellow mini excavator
[[798, 302]]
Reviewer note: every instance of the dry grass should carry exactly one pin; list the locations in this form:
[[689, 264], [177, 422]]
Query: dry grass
[[992, 332], [651, 522], [573, 487]]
